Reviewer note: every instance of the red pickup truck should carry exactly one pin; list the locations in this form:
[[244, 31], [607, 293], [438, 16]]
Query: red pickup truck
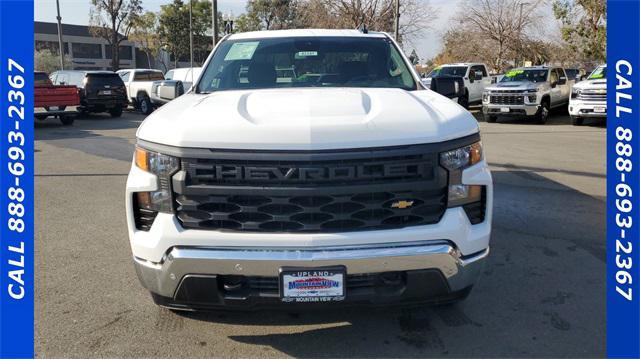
[[52, 100]]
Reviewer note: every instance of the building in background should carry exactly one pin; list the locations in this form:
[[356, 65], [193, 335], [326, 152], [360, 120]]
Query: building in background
[[85, 51]]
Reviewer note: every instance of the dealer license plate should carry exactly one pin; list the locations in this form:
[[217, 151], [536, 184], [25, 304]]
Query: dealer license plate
[[54, 108], [312, 284], [504, 109], [599, 109], [105, 92]]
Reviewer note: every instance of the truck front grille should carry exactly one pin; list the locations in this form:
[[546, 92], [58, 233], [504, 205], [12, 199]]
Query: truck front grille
[[504, 99], [593, 95], [312, 192]]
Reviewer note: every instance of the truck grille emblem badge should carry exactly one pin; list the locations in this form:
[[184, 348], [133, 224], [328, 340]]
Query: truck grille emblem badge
[[402, 204]]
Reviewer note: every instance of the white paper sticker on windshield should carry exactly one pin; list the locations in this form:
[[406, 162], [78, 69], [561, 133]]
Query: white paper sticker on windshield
[[242, 51], [303, 54]]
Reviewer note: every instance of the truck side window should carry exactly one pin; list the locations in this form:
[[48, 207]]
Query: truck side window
[[478, 68], [553, 76], [125, 76]]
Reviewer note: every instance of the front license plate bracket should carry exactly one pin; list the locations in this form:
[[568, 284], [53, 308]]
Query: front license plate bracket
[[312, 284]]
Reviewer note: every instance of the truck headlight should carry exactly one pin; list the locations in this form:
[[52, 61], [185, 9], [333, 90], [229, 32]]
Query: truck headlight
[[455, 161], [462, 157], [575, 92], [164, 167]]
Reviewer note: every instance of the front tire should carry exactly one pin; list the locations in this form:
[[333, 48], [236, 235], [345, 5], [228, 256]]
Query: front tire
[[577, 121], [116, 112], [543, 113]]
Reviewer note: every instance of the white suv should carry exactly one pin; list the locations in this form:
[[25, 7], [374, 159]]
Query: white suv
[[347, 182]]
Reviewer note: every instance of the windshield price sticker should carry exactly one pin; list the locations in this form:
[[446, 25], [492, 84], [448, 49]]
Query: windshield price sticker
[[513, 73]]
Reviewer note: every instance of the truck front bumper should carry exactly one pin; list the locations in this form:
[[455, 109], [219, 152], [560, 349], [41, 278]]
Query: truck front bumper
[[195, 278], [578, 108], [514, 110]]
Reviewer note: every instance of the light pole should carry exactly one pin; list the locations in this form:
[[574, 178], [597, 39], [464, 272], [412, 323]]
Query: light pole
[[191, 32], [214, 16], [60, 45], [397, 21], [522, 4]]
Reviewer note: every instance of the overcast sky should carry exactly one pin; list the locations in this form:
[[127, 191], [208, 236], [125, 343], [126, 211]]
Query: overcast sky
[[77, 12]]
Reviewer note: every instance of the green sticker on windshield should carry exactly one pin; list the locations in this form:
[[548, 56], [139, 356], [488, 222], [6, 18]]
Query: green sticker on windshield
[[437, 68], [597, 74], [513, 73], [242, 51]]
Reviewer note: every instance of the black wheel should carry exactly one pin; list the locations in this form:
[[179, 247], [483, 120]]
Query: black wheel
[[492, 119], [577, 121], [67, 120], [116, 111], [144, 103], [543, 113], [464, 101]]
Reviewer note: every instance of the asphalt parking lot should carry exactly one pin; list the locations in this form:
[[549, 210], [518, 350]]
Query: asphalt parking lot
[[542, 292]]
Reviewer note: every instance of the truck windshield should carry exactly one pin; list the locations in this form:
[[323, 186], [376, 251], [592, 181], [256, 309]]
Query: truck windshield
[[599, 73], [306, 62], [449, 71], [532, 75]]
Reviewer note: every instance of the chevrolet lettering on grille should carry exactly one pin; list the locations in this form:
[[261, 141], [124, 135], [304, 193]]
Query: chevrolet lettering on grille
[[277, 173]]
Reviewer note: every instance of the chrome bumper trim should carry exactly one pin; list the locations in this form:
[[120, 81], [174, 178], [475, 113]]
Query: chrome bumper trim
[[529, 110], [163, 278]]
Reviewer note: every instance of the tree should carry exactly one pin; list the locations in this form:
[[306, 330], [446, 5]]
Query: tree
[[145, 34], [269, 15], [112, 20], [499, 25], [584, 27], [377, 15], [173, 29], [49, 61]]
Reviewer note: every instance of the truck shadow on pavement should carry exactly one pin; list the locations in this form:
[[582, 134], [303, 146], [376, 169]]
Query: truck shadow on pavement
[[542, 292]]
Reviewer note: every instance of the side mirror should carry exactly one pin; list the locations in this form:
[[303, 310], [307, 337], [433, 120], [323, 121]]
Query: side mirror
[[450, 87], [170, 90]]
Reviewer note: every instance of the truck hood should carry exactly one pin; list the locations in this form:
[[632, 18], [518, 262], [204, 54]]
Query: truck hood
[[307, 119], [597, 84]]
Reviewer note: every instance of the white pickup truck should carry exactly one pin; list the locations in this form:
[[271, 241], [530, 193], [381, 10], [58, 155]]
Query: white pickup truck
[[527, 92], [589, 97], [353, 184], [475, 75], [139, 84]]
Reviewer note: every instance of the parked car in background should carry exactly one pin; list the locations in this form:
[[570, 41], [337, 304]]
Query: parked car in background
[[139, 84], [575, 74], [100, 91], [589, 98], [475, 76], [175, 83], [527, 91], [50, 100]]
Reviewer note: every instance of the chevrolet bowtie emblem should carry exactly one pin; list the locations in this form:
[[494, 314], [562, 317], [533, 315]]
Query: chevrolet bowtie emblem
[[402, 204]]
